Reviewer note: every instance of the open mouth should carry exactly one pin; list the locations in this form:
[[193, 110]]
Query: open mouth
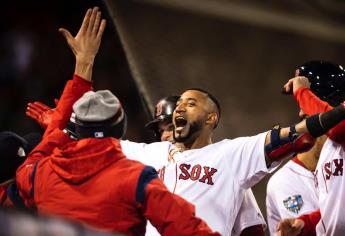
[[180, 122]]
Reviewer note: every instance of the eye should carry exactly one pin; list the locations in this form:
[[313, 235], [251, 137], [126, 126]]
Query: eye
[[191, 104]]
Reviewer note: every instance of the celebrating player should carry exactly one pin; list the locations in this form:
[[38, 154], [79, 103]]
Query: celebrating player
[[320, 86], [249, 220], [214, 176]]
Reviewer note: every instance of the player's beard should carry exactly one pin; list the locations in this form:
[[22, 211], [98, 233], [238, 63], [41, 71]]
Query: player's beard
[[194, 128]]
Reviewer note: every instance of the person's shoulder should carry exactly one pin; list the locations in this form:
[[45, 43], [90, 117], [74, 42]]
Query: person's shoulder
[[241, 141], [281, 175]]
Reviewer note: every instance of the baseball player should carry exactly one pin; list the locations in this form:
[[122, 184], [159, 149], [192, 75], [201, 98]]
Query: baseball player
[[214, 176], [297, 193], [323, 89], [291, 190], [162, 125], [249, 219]]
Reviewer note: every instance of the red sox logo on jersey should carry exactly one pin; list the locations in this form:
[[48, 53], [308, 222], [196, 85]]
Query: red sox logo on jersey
[[199, 173], [203, 174], [333, 168]]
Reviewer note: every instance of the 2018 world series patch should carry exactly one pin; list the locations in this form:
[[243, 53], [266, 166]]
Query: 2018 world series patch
[[294, 203]]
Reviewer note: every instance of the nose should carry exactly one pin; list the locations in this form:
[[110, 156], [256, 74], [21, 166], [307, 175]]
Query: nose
[[180, 107]]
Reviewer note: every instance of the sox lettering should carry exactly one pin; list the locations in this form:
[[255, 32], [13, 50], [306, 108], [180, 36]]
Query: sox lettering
[[195, 173], [334, 167]]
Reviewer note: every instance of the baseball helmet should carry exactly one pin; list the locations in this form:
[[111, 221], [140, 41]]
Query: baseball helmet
[[163, 111], [327, 80]]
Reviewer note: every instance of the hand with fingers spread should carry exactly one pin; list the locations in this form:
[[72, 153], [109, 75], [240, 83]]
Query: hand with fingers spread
[[40, 113], [290, 227], [296, 83], [86, 43]]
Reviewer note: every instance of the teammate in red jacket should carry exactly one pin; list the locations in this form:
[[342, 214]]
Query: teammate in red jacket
[[90, 180]]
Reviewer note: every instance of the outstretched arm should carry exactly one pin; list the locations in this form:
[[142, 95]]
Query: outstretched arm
[[41, 113]]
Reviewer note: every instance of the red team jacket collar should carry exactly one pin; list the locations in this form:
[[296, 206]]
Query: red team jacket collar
[[77, 161]]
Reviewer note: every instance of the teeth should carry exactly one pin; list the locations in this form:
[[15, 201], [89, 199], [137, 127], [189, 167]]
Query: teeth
[[179, 128]]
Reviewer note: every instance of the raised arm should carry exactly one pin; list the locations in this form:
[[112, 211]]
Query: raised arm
[[299, 86], [311, 105], [86, 43], [85, 47]]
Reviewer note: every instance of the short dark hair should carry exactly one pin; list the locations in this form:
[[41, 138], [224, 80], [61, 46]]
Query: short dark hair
[[213, 99]]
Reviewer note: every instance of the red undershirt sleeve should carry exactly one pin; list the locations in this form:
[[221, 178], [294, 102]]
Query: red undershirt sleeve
[[310, 221], [311, 105]]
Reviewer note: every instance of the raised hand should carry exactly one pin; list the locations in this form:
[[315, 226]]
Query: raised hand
[[295, 83], [86, 43], [40, 113]]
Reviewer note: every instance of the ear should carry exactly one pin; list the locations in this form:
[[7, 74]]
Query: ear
[[212, 119]]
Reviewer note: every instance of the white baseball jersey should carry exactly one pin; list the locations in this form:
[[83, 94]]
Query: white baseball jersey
[[291, 192], [331, 188], [214, 178], [248, 215]]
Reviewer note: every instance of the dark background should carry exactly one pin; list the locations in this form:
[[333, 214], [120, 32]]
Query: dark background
[[241, 51], [35, 62]]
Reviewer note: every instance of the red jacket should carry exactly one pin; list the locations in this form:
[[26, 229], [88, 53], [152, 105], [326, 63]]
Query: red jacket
[[9, 196], [5, 201], [91, 181]]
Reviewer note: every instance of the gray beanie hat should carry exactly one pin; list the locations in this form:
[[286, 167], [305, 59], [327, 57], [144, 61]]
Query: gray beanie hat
[[98, 106], [99, 114]]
